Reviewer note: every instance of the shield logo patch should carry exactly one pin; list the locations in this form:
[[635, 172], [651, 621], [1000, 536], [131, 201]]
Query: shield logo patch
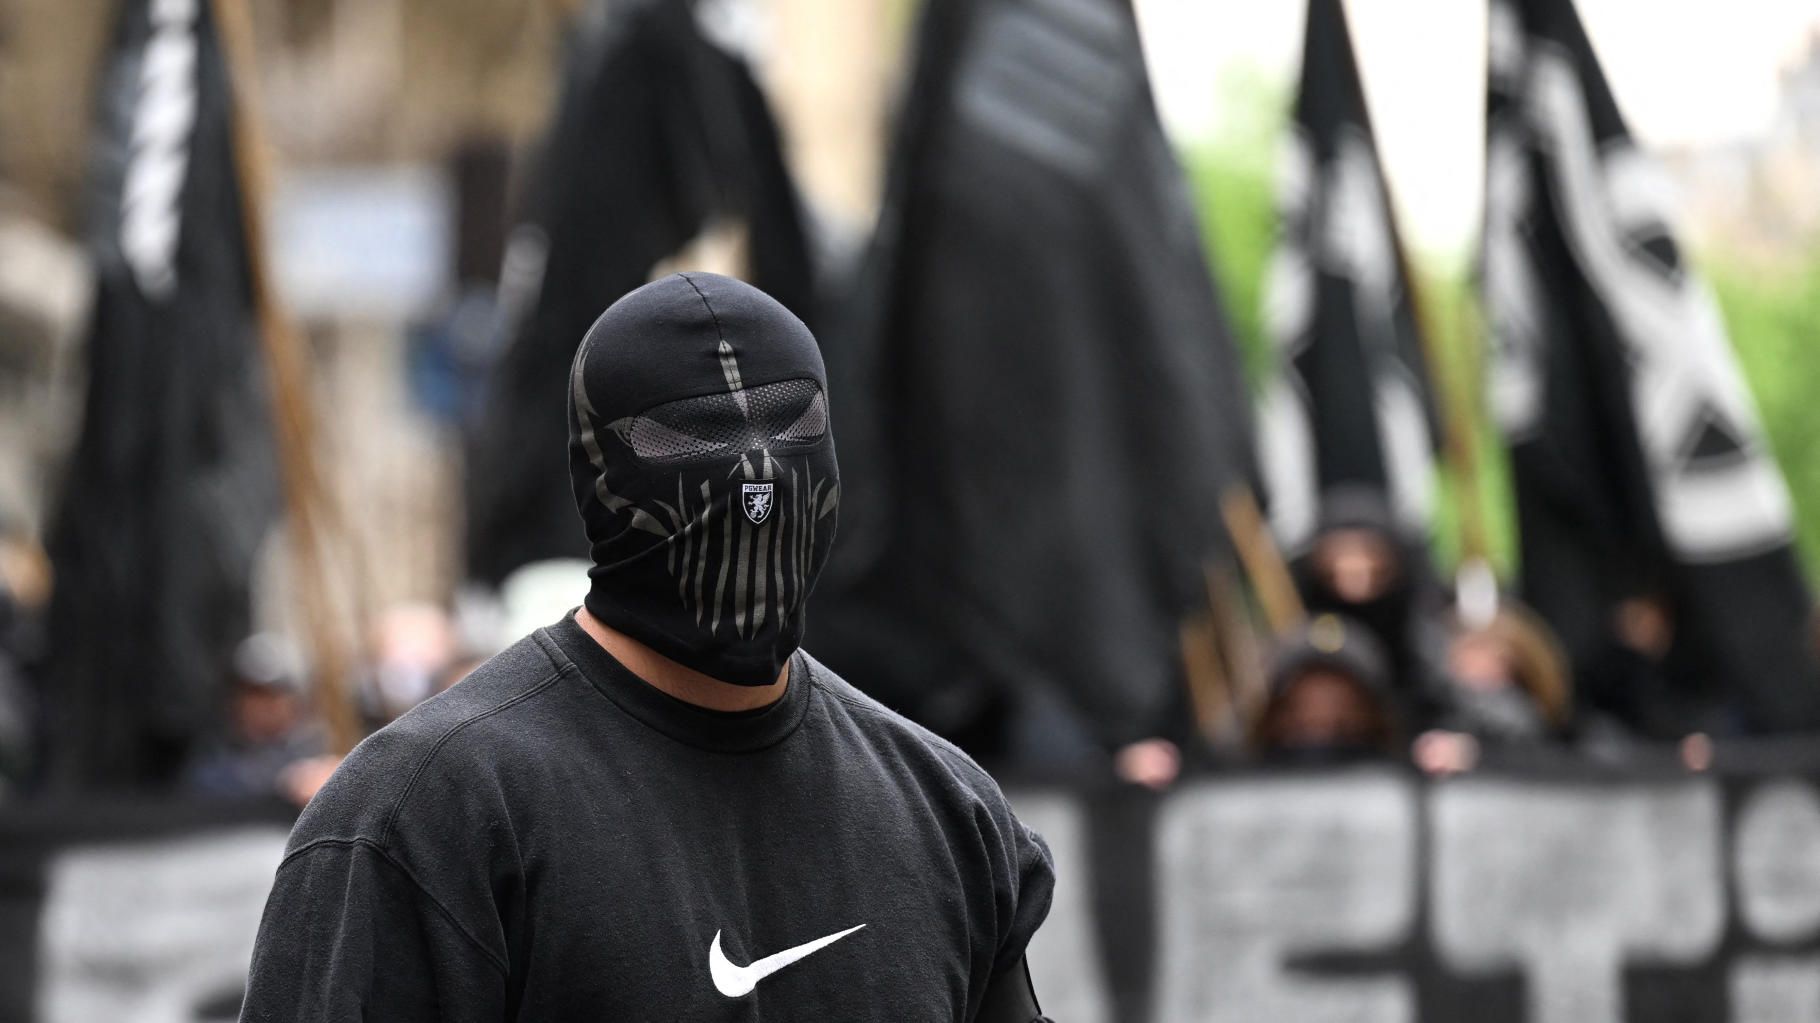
[[755, 498]]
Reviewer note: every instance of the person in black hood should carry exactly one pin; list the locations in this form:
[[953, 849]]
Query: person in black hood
[[660, 807], [1327, 700], [1361, 566]]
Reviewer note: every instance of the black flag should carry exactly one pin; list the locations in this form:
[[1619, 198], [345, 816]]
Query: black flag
[[171, 488], [1639, 465], [1349, 405], [1041, 403], [661, 133]]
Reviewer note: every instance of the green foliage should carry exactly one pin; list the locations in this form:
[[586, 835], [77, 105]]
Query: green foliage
[[1238, 222], [1450, 317], [1774, 321], [1234, 184]]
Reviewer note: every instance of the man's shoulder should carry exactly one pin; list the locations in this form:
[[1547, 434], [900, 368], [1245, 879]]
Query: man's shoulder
[[441, 741], [507, 680], [886, 726]]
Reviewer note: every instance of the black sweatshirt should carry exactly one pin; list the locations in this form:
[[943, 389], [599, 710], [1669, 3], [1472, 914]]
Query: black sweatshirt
[[553, 840]]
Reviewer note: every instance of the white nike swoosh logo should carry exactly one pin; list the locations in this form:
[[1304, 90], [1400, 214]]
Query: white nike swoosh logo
[[738, 981]]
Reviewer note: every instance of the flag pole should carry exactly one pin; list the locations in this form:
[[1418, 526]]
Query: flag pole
[[1222, 660], [1457, 450], [1210, 692], [307, 502], [1475, 541], [1262, 559], [1237, 641]]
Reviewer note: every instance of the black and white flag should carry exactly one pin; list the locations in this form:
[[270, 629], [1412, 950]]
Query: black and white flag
[[1639, 465], [1041, 400], [1349, 404], [661, 137], [170, 490]]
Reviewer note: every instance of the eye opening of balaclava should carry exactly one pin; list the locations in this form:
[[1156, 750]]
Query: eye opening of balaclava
[[783, 417], [703, 467]]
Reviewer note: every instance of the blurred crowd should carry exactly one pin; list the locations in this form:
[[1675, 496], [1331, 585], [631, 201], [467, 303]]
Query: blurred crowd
[[273, 739], [1393, 664], [1389, 664]]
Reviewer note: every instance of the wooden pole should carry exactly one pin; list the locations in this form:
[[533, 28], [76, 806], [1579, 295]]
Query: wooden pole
[[306, 499], [1463, 414], [1237, 640], [1263, 562], [1457, 449], [1458, 452], [1209, 686]]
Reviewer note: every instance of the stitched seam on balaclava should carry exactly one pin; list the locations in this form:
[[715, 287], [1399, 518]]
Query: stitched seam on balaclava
[[709, 306]]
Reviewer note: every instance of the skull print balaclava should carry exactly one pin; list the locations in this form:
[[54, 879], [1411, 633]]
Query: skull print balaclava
[[704, 470]]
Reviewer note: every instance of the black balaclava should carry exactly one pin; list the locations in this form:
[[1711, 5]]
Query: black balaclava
[[704, 470]]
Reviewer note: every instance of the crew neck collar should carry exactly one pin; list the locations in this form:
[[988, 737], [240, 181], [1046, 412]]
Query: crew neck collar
[[743, 731]]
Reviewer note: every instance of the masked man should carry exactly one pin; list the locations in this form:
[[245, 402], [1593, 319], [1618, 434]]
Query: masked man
[[660, 808]]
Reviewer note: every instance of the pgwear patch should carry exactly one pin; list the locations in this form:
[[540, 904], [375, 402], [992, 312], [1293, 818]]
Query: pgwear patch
[[755, 498]]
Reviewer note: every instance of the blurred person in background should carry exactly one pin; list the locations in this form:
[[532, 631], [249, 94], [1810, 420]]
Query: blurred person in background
[[1361, 567], [659, 806], [412, 645], [1642, 686], [1329, 699], [1635, 681], [25, 581], [1508, 690], [270, 731]]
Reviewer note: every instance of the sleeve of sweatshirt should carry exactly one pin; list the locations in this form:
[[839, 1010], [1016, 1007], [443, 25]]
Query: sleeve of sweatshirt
[[1026, 884], [349, 934]]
